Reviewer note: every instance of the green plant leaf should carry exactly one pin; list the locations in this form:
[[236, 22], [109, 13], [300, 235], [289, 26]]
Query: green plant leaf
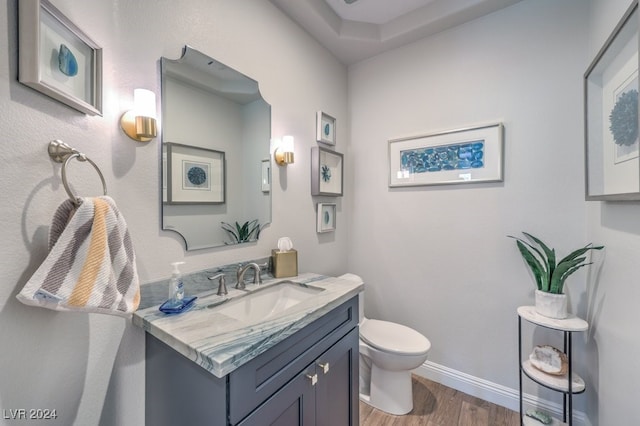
[[533, 262], [550, 255], [575, 268], [580, 252], [231, 231], [560, 274], [252, 227]]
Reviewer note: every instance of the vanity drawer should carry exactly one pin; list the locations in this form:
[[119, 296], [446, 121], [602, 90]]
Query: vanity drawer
[[254, 382]]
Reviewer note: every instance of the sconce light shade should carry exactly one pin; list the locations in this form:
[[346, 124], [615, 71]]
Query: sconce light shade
[[283, 154], [140, 122]]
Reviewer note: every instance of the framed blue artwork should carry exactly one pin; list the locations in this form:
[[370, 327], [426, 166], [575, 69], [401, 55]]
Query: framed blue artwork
[[327, 168], [194, 175], [468, 155], [326, 217], [325, 128], [612, 148], [57, 58]]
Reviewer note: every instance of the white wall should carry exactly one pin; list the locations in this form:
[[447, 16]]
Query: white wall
[[613, 305], [438, 258], [90, 368]]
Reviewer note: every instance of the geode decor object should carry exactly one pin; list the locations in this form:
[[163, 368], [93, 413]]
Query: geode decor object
[[549, 360]]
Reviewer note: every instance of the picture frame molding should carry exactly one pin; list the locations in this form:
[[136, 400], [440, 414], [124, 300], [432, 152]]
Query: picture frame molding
[[598, 171], [30, 15], [493, 133], [321, 227], [172, 186], [321, 119], [320, 186]]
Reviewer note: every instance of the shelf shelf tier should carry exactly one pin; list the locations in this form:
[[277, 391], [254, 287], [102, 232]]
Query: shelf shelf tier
[[572, 323], [558, 383]]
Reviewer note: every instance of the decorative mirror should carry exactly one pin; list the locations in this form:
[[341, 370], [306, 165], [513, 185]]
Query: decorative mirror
[[216, 169]]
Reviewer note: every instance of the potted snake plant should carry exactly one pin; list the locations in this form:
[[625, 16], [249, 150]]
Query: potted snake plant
[[550, 274]]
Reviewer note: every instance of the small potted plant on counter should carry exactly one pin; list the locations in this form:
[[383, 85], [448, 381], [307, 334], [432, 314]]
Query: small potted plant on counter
[[550, 274]]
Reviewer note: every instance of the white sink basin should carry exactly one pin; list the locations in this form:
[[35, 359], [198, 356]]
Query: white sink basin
[[264, 303]]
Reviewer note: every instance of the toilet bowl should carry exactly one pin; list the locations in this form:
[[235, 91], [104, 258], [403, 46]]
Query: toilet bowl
[[388, 353]]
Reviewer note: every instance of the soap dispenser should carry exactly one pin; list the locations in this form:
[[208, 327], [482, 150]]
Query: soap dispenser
[[177, 302], [176, 286]]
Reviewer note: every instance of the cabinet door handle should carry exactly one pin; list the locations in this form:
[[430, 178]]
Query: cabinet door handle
[[313, 378], [324, 366]]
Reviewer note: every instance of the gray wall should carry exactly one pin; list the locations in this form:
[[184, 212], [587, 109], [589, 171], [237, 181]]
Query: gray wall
[[438, 258], [91, 367]]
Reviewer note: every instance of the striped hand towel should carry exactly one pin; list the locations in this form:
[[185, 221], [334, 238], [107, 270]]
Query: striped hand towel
[[91, 265]]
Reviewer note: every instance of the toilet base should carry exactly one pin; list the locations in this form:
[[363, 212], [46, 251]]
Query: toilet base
[[390, 391]]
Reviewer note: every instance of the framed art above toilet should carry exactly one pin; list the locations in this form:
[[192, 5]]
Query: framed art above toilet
[[467, 155]]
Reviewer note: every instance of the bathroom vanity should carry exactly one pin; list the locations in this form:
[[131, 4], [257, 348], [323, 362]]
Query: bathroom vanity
[[298, 364]]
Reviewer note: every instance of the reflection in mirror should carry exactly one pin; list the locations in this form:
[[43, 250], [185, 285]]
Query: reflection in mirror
[[215, 153]]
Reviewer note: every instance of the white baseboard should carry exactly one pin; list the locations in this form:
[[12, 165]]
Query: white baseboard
[[492, 392]]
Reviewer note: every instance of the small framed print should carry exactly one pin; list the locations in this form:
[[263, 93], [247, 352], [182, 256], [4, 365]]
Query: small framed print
[[58, 59], [326, 172], [325, 128], [326, 217], [266, 175], [194, 175]]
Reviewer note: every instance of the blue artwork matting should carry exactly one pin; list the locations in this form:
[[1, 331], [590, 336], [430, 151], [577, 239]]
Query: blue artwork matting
[[459, 156]]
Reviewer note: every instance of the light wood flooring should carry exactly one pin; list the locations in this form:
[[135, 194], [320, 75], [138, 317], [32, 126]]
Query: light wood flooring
[[438, 405]]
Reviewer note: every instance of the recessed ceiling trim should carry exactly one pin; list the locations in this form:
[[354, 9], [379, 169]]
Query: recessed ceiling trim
[[352, 41]]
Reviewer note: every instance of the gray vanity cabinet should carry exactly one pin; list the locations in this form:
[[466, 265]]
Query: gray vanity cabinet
[[310, 378], [322, 394]]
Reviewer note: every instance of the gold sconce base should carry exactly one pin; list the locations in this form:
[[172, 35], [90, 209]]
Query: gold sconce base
[[283, 158], [141, 129]]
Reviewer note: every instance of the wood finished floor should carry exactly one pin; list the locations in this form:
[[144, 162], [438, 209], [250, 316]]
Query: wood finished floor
[[438, 405]]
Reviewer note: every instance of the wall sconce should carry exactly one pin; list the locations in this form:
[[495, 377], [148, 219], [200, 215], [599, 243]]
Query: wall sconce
[[140, 122], [284, 152]]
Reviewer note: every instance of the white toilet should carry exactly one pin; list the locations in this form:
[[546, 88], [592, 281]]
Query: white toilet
[[388, 353]]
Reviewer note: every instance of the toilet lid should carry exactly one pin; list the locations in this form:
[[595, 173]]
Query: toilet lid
[[392, 337]]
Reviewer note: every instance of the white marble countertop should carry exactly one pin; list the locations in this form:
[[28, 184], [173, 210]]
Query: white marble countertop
[[221, 344]]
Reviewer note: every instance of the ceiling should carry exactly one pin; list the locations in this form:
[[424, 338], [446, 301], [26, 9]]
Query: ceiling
[[365, 28]]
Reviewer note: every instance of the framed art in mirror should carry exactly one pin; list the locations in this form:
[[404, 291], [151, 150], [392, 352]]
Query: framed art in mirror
[[467, 155], [194, 175], [612, 163], [58, 59], [326, 217], [325, 128], [265, 175], [326, 172]]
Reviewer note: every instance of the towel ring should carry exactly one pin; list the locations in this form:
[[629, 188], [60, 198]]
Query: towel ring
[[61, 152]]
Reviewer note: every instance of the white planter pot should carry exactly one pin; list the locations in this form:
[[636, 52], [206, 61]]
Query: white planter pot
[[551, 305]]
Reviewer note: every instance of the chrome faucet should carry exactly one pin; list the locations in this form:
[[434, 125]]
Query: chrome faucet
[[241, 271], [222, 286]]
